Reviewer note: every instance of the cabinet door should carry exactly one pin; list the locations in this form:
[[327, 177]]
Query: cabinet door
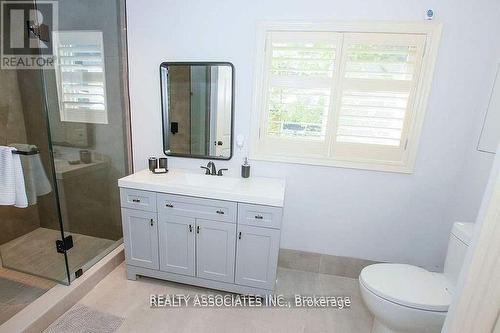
[[257, 256], [176, 238], [215, 250], [140, 234]]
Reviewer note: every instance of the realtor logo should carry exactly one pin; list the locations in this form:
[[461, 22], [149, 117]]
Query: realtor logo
[[26, 29]]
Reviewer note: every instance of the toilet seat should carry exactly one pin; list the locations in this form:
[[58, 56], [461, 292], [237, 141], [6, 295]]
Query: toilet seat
[[408, 286]]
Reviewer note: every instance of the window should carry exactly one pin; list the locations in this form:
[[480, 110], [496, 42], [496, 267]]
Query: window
[[80, 76], [343, 98]]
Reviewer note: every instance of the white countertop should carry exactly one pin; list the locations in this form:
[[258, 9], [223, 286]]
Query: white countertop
[[256, 190]]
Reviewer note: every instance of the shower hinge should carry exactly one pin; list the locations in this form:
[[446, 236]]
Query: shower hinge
[[64, 245], [78, 273]]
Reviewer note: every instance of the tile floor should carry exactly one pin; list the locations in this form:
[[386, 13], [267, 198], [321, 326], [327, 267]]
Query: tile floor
[[35, 253], [18, 290], [117, 296]]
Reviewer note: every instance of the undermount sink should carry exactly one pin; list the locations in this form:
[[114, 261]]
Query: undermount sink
[[226, 183], [258, 190]]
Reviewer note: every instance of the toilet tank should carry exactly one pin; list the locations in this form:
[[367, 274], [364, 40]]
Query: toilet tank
[[460, 238]]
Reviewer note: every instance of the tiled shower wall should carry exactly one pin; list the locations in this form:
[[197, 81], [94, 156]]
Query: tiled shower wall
[[15, 221]]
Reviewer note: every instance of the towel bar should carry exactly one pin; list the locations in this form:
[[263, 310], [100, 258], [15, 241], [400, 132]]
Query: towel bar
[[31, 152]]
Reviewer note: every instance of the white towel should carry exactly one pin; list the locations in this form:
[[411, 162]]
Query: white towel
[[12, 188], [35, 178]]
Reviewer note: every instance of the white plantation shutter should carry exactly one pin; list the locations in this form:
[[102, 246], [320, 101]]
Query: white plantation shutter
[[336, 97], [80, 76], [300, 69], [379, 79]]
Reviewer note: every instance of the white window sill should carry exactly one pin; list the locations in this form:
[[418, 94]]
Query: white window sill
[[406, 168]]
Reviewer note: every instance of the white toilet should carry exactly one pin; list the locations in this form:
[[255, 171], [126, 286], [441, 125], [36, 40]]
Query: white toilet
[[410, 299]]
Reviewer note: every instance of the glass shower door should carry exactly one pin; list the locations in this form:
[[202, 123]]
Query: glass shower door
[[28, 235], [87, 105], [71, 121]]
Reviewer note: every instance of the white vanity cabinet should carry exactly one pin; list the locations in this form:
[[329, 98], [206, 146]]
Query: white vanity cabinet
[[215, 250], [205, 241], [257, 256], [176, 238], [140, 233]]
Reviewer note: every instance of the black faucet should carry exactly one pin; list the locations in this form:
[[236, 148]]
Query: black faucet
[[213, 169], [210, 169]]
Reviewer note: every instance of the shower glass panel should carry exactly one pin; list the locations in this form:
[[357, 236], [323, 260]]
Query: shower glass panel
[[73, 120], [28, 235], [87, 101]]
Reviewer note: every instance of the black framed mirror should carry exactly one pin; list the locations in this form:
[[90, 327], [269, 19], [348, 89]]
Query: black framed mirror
[[198, 109]]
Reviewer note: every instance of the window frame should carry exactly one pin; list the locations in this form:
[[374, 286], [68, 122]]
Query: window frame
[[429, 29]]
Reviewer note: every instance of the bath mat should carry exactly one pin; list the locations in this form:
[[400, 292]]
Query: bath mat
[[82, 319]]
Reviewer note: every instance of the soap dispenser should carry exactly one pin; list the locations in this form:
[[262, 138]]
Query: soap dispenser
[[245, 169]]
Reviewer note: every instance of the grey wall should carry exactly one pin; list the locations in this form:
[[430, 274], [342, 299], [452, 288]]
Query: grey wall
[[15, 222]]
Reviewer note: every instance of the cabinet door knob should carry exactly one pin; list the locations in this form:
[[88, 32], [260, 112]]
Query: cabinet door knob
[[169, 205], [136, 200], [259, 217], [151, 222], [221, 212], [197, 229], [190, 228], [239, 235]]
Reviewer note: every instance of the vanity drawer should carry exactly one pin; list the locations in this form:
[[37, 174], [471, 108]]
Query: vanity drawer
[[259, 216], [137, 199], [209, 209]]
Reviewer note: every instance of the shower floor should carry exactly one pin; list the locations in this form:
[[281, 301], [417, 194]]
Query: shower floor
[[35, 253], [18, 290]]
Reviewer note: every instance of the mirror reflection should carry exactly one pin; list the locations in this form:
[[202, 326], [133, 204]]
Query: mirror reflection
[[197, 101]]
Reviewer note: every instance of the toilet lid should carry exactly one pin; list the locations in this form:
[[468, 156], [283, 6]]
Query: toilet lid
[[408, 285]]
